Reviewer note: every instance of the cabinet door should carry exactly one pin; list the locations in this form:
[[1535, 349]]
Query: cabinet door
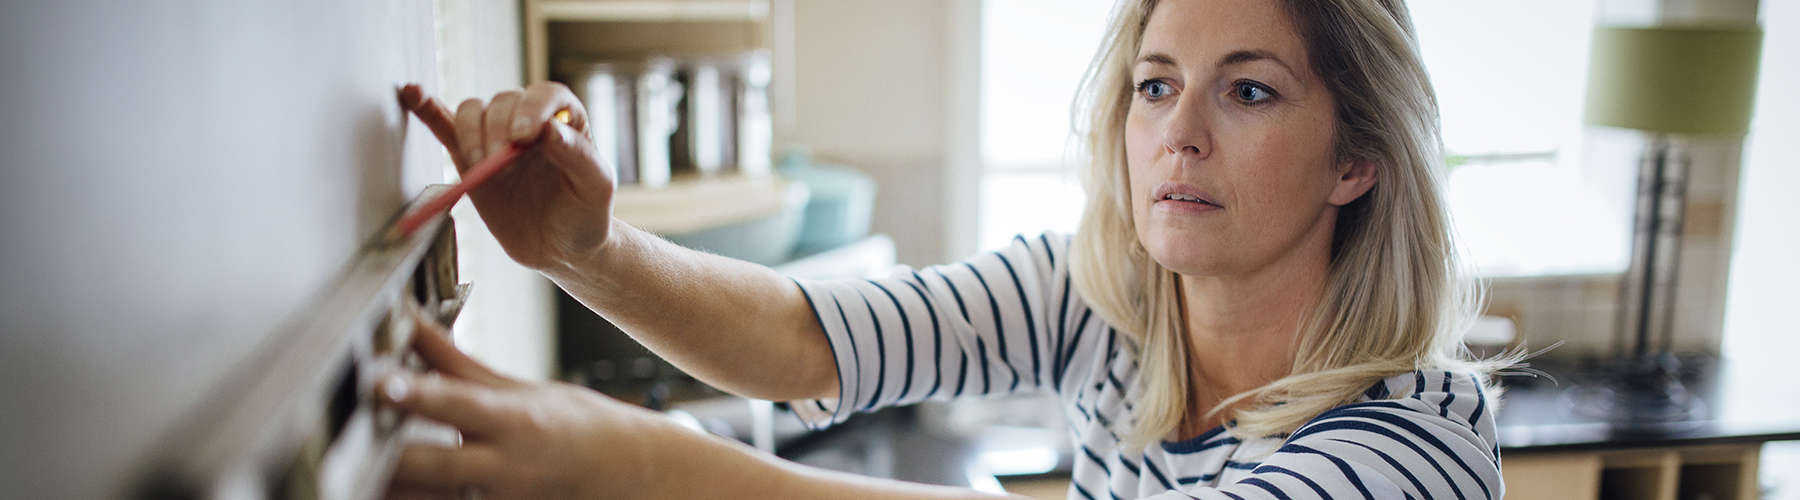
[[1552, 475]]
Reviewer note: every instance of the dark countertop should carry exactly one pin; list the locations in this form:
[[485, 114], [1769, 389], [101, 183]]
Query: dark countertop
[[1742, 402], [1535, 417]]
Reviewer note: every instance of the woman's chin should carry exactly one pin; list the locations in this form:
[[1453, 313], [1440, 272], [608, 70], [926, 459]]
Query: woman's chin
[[1187, 255]]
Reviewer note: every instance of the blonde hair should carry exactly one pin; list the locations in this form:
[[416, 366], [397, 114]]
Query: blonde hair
[[1396, 298]]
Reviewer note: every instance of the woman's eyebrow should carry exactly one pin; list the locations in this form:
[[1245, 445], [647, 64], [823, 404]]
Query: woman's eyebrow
[[1157, 58], [1245, 56], [1235, 57]]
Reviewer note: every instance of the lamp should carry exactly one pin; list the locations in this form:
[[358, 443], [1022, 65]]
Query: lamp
[[1664, 81]]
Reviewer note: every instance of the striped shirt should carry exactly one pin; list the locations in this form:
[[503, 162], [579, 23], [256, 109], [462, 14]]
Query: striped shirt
[[1009, 321]]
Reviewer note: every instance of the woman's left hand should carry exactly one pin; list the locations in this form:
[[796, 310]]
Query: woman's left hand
[[519, 439]]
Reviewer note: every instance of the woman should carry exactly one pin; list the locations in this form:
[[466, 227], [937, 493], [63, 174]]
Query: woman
[[1262, 299]]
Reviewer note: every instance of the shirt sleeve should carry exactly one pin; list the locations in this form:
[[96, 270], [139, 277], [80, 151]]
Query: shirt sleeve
[[1436, 442], [977, 327]]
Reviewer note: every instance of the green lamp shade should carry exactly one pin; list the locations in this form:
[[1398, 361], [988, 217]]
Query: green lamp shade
[[1680, 80]]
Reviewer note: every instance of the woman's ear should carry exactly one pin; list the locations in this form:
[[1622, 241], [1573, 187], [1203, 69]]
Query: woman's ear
[[1354, 180]]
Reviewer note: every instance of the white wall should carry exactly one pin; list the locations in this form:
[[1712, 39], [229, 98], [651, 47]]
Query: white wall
[[181, 180], [872, 84], [509, 322], [1760, 319]]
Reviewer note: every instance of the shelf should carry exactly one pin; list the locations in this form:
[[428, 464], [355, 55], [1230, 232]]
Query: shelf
[[692, 203], [1724, 472], [556, 29], [623, 10]]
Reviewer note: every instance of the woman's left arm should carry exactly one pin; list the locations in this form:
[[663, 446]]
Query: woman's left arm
[[553, 440]]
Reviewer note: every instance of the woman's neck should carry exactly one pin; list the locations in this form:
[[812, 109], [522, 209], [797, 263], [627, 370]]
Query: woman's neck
[[1242, 331]]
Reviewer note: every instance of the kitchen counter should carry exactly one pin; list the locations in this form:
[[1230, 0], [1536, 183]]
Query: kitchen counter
[[1534, 419], [1537, 414]]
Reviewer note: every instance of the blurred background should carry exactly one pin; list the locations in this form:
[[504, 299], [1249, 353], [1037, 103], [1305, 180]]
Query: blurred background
[[187, 180]]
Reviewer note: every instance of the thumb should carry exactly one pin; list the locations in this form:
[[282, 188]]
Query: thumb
[[571, 152]]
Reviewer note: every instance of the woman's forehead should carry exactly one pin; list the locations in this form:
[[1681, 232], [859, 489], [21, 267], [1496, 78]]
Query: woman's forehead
[[1208, 32]]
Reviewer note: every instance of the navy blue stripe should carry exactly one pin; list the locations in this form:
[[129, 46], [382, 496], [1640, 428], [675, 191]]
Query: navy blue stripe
[[906, 326], [1112, 349], [1084, 493], [1058, 364], [1089, 452], [962, 375], [855, 357], [1309, 482], [1358, 425], [1157, 474], [963, 378], [1074, 342], [1422, 434], [1349, 473], [1037, 370], [1233, 464], [1418, 385], [1114, 379], [980, 347], [1266, 487], [1417, 486], [1207, 477], [1049, 252], [999, 330], [1377, 391], [835, 365], [1444, 406], [1475, 416], [1130, 466], [880, 352], [937, 340], [1232, 495], [1200, 443]]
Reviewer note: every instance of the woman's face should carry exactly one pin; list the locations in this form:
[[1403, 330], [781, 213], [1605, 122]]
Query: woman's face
[[1229, 140]]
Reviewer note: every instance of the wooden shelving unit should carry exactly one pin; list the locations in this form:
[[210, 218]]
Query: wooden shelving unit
[[1720, 472], [558, 31]]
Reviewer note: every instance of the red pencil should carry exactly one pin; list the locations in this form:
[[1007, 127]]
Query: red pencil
[[472, 179], [480, 173]]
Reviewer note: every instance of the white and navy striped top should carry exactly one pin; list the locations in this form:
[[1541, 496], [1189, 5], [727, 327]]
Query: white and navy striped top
[[1009, 321]]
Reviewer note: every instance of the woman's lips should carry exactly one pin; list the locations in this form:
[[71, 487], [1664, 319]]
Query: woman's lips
[[1179, 206], [1183, 198]]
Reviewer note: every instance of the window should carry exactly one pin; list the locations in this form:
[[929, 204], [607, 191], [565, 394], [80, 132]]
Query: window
[[1511, 79], [1033, 53]]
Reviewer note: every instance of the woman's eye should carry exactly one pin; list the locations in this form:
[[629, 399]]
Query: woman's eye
[[1250, 92], [1154, 89]]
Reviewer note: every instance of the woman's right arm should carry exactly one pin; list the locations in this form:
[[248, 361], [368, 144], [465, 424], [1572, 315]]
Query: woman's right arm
[[736, 325]]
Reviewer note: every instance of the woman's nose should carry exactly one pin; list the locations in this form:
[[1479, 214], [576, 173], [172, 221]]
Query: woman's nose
[[1187, 132]]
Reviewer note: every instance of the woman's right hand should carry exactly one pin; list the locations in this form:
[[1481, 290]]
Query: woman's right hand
[[553, 208]]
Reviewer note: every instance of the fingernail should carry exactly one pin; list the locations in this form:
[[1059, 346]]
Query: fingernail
[[521, 127], [395, 388]]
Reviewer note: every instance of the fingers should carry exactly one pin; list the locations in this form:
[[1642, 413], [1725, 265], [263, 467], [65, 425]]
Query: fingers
[[497, 121], [538, 104], [433, 344], [432, 113], [468, 133], [572, 153], [433, 470], [467, 406]]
